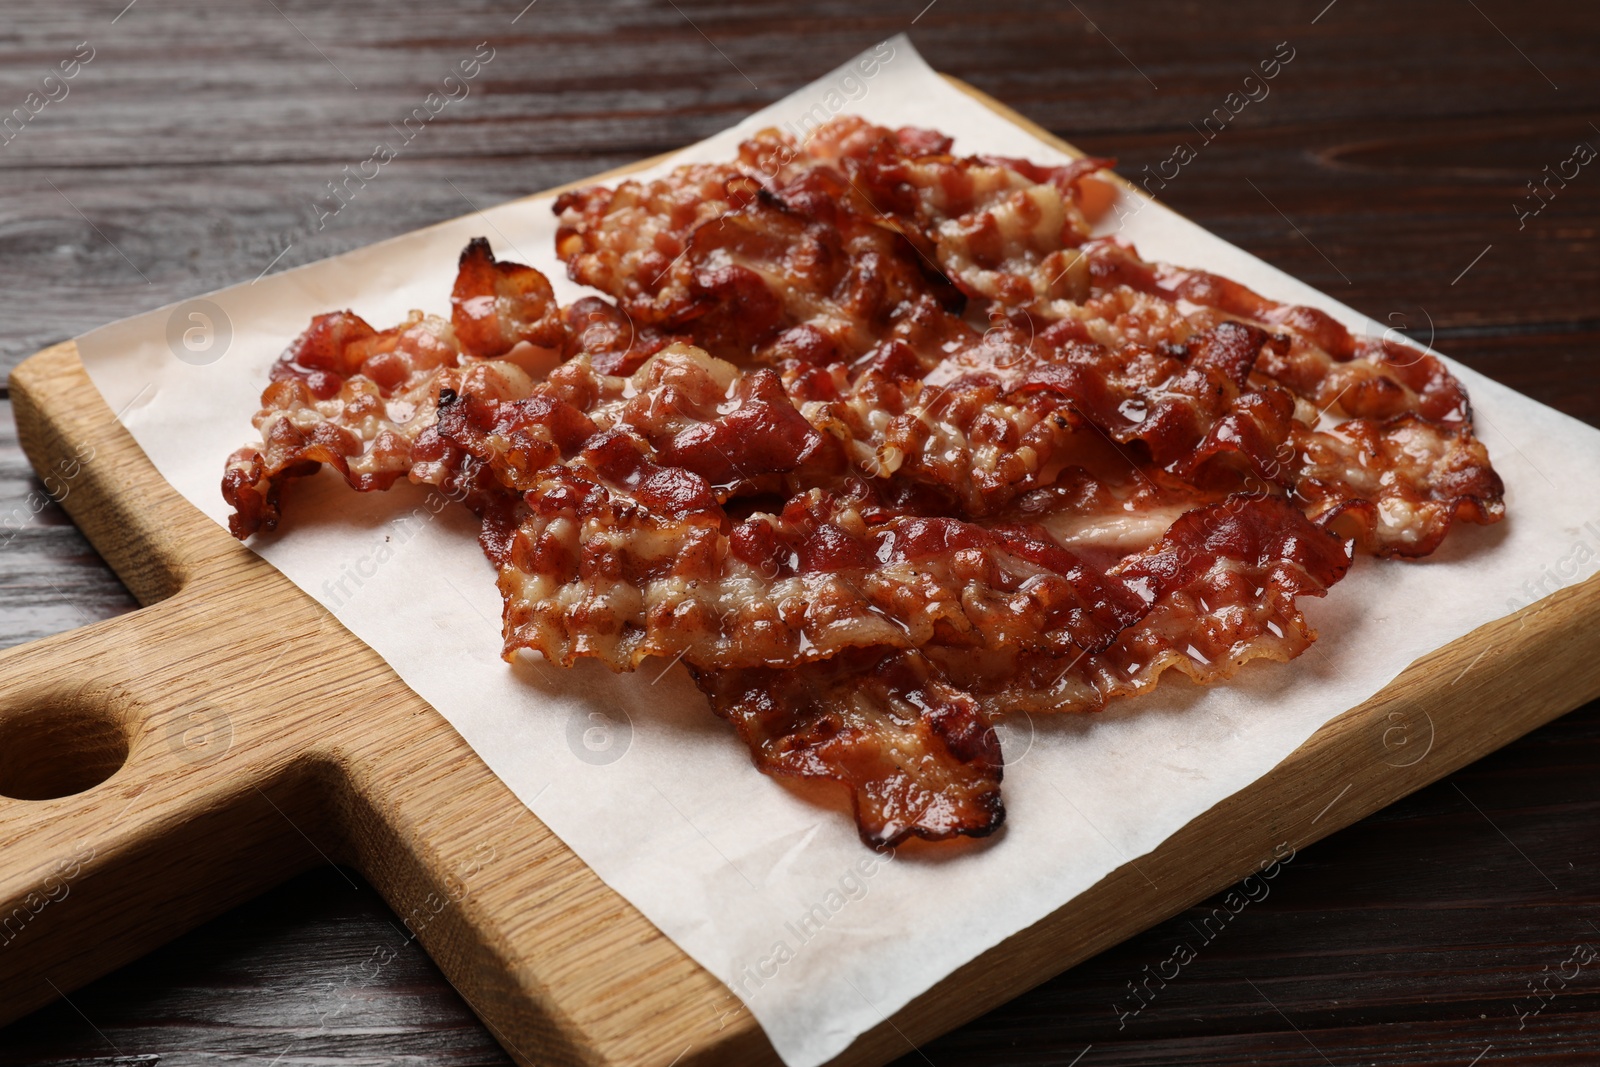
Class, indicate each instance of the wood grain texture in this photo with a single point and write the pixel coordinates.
(1398, 152)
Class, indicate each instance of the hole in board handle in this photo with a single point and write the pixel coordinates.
(57, 749)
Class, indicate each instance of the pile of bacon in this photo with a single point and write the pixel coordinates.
(883, 446)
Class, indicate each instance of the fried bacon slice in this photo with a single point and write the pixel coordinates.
(760, 279)
(1396, 485)
(825, 238)
(496, 306)
(625, 241)
(360, 400)
(1188, 410)
(601, 568)
(884, 444)
(910, 732)
(1361, 377)
(1222, 583)
(995, 226)
(627, 552)
(918, 756)
(348, 396)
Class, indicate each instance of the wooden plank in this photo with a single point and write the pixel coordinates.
(327, 746)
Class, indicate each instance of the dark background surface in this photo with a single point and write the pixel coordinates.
(1387, 164)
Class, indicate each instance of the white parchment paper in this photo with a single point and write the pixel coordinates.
(769, 890)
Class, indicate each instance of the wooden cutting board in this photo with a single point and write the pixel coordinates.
(159, 768)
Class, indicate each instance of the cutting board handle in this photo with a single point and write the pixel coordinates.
(135, 798)
(128, 811)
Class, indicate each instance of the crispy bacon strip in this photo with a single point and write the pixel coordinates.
(621, 571)
(995, 226)
(622, 556)
(905, 734)
(1223, 582)
(357, 400)
(829, 236)
(1362, 377)
(732, 429)
(625, 551)
(919, 757)
(1190, 411)
(1396, 485)
(803, 270)
(625, 241)
(360, 400)
(496, 306)
(762, 279)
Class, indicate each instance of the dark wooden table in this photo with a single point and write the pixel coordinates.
(1389, 165)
